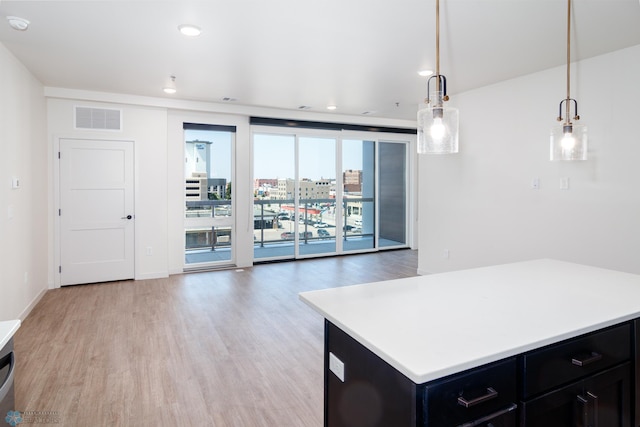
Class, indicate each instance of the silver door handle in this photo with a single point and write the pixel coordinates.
(127, 217)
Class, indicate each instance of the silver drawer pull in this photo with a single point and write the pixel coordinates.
(491, 393)
(483, 420)
(592, 358)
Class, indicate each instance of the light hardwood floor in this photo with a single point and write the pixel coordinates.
(223, 348)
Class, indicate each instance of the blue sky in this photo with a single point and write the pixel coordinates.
(274, 155)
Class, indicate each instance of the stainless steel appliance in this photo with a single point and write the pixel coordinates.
(7, 370)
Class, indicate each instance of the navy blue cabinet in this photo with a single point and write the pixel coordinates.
(590, 380)
(369, 392)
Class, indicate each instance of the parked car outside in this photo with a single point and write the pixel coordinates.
(320, 225)
(289, 235)
(322, 233)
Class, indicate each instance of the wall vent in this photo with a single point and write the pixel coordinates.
(98, 118)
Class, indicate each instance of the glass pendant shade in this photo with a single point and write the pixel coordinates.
(568, 142)
(437, 127)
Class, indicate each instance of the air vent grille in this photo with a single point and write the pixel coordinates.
(98, 118)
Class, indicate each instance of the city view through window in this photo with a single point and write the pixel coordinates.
(302, 205)
(208, 196)
(296, 194)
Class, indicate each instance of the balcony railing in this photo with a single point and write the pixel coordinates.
(274, 222)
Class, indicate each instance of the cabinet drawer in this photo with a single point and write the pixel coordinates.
(472, 396)
(570, 360)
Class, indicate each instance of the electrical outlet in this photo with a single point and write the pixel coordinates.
(336, 366)
(149, 251)
(445, 254)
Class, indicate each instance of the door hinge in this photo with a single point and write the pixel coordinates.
(59, 212)
(58, 155)
(59, 269)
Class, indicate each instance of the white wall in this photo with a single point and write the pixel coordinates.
(478, 204)
(23, 211)
(147, 127)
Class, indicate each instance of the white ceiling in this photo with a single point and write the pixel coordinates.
(361, 55)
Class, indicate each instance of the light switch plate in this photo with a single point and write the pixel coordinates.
(336, 366)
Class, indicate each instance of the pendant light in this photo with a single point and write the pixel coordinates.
(437, 124)
(568, 141)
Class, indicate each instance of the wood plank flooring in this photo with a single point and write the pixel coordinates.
(224, 348)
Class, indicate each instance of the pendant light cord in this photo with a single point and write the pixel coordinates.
(567, 106)
(437, 45)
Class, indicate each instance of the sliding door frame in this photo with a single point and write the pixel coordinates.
(409, 140)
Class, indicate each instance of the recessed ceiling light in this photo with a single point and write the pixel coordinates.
(17, 23)
(190, 30)
(170, 88)
(425, 73)
(331, 107)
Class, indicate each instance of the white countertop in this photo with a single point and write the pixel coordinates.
(431, 326)
(7, 329)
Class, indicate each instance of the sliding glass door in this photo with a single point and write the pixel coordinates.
(274, 190)
(294, 196)
(393, 194)
(316, 205)
(304, 208)
(358, 196)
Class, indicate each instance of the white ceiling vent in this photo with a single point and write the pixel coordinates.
(98, 118)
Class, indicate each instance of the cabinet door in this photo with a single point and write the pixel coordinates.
(609, 397)
(602, 400)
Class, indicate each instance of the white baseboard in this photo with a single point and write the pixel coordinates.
(32, 305)
(147, 276)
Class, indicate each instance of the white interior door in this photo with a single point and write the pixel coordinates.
(96, 211)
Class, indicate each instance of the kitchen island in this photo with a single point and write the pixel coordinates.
(429, 350)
